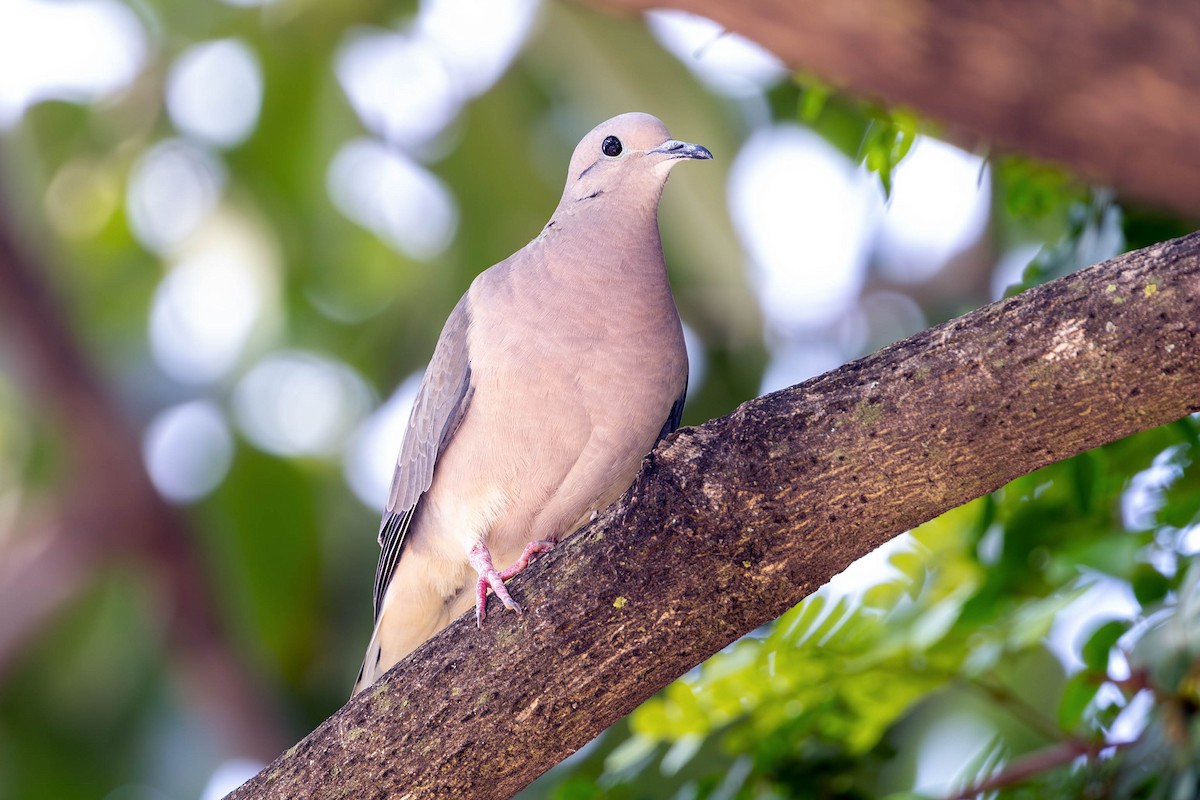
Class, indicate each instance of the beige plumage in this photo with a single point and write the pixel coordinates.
(554, 376)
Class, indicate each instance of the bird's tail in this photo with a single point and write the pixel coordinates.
(369, 672)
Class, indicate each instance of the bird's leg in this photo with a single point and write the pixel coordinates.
(481, 560)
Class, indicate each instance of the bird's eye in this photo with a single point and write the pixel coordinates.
(611, 147)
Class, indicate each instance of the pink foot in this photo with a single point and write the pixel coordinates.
(481, 560)
(532, 549)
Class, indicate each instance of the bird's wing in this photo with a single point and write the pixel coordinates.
(437, 412)
(676, 415)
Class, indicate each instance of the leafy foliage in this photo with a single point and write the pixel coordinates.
(885, 136)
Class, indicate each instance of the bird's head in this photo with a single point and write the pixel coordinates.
(631, 155)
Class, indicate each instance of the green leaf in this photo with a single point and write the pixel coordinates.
(812, 101)
(1181, 500)
(1035, 189)
(888, 138)
(1096, 649)
(1032, 622)
(908, 563)
(885, 595)
(794, 625)
(1077, 695)
(1084, 469)
(1149, 585)
(577, 789)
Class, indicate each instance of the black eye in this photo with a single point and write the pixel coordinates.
(611, 147)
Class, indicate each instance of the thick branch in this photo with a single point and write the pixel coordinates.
(731, 523)
(1040, 76)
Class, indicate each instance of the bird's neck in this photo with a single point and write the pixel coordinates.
(609, 215)
(615, 240)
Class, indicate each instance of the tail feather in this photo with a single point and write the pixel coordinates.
(370, 671)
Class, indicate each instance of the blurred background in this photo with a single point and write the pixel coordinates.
(229, 235)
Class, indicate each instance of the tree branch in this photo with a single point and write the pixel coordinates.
(1039, 76)
(731, 523)
(1033, 764)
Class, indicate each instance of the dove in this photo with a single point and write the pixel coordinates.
(555, 374)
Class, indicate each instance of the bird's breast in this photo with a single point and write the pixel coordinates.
(570, 394)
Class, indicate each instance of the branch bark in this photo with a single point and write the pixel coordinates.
(733, 522)
(1039, 76)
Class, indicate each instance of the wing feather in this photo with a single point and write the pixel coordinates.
(675, 417)
(438, 410)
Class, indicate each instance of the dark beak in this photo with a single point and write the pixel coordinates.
(673, 148)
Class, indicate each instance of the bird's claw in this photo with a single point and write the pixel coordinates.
(490, 577)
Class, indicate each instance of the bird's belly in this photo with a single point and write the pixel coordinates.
(536, 464)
